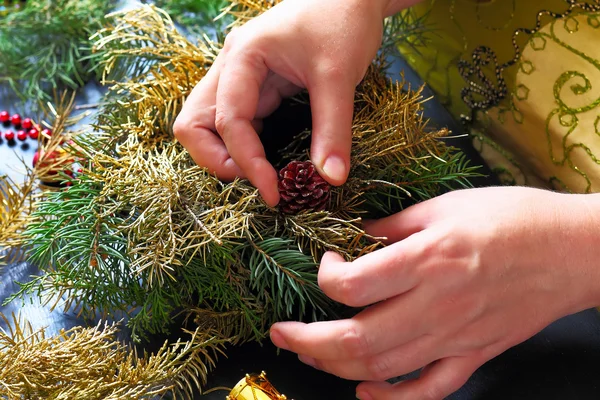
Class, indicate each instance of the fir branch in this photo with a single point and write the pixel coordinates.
(227, 297)
(44, 44)
(82, 254)
(287, 276)
(234, 325)
(135, 41)
(89, 363)
(406, 28)
(18, 200)
(194, 12)
(427, 177)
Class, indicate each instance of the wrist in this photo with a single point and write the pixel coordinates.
(588, 206)
(565, 232)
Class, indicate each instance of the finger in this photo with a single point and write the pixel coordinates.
(373, 331)
(275, 89)
(401, 225)
(396, 362)
(436, 383)
(237, 103)
(195, 125)
(332, 105)
(380, 275)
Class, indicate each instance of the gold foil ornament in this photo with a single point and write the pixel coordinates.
(255, 387)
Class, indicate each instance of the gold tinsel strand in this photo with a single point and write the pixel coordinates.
(90, 363)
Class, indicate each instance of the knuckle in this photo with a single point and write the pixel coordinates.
(440, 388)
(231, 39)
(453, 383)
(222, 121)
(433, 392)
(355, 343)
(349, 290)
(180, 128)
(333, 71)
(379, 368)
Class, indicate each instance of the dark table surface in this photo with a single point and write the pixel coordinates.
(561, 362)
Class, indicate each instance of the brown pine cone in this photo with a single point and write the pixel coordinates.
(302, 188)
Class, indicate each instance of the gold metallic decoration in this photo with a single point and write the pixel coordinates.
(91, 363)
(255, 387)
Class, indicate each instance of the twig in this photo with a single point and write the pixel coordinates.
(87, 106)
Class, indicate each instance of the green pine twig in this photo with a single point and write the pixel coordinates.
(287, 276)
(44, 46)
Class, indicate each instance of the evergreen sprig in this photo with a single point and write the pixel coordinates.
(44, 45)
(406, 28)
(423, 179)
(289, 277)
(193, 12)
(85, 257)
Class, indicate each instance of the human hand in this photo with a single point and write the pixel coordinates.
(323, 46)
(466, 276)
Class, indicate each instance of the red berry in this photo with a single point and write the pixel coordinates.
(48, 157)
(33, 133)
(22, 135)
(46, 161)
(27, 123)
(15, 120)
(9, 135)
(47, 133)
(4, 116)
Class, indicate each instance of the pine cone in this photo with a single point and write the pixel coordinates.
(302, 188)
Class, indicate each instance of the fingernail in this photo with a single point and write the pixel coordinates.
(363, 396)
(335, 168)
(308, 361)
(278, 340)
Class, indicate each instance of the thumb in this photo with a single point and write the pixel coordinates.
(332, 105)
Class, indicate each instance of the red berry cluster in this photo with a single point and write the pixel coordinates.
(25, 127)
(47, 159)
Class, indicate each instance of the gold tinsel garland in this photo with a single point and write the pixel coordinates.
(89, 363)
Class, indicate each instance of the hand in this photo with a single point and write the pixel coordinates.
(466, 276)
(323, 46)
